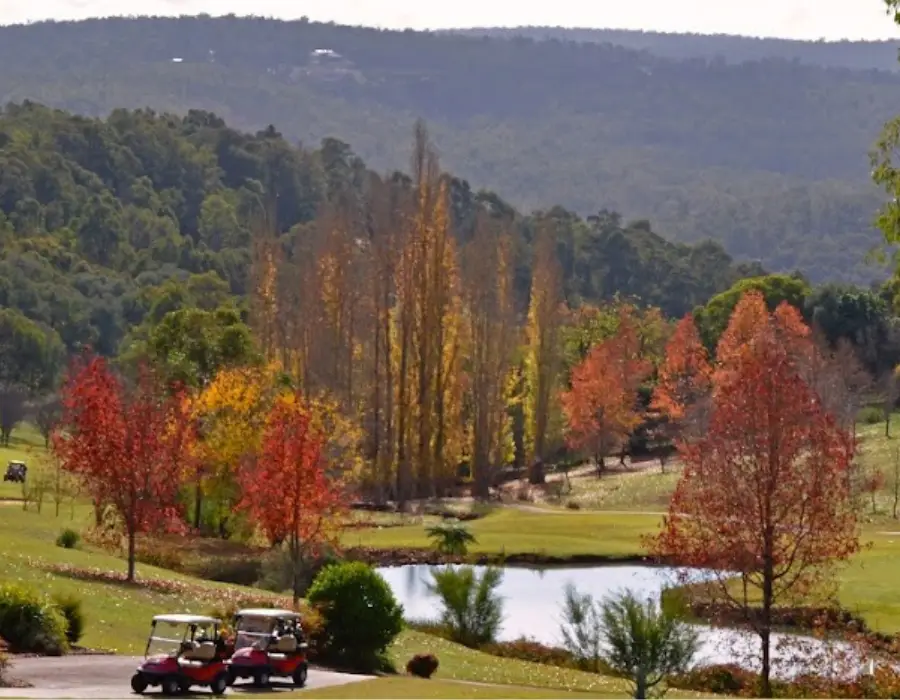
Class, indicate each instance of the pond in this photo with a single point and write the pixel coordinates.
(533, 608)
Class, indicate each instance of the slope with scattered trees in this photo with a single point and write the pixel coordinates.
(766, 157)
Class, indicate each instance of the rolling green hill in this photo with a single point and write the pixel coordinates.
(768, 157)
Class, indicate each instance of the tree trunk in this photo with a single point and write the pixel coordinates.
(765, 633)
(295, 566)
(198, 505)
(640, 686)
(131, 551)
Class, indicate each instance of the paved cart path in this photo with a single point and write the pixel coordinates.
(107, 677)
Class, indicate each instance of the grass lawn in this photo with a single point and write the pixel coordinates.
(27, 445)
(118, 618)
(512, 531)
(404, 687)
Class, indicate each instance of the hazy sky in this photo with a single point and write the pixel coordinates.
(805, 19)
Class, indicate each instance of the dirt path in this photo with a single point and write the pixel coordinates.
(107, 677)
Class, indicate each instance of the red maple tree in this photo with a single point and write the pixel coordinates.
(685, 378)
(287, 489)
(127, 446)
(764, 495)
(601, 405)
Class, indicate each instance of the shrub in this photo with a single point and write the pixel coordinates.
(276, 572)
(68, 539)
(422, 665)
(241, 571)
(30, 623)
(530, 650)
(581, 629)
(361, 616)
(726, 679)
(70, 607)
(871, 415)
(160, 555)
(573, 505)
(451, 538)
(472, 609)
(644, 642)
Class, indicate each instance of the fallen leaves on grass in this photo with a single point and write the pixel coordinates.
(463, 664)
(218, 596)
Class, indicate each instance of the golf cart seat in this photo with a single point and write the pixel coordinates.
(202, 652)
(284, 645)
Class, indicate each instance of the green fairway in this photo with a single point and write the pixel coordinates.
(513, 531)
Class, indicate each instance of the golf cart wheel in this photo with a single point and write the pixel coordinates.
(300, 674)
(261, 679)
(138, 683)
(171, 687)
(219, 684)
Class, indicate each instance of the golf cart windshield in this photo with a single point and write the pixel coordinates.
(172, 637)
(253, 630)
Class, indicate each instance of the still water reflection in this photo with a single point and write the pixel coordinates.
(533, 601)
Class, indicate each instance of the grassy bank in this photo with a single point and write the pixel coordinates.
(514, 531)
(118, 617)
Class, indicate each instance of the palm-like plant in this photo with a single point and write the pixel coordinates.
(645, 642)
(451, 538)
(472, 609)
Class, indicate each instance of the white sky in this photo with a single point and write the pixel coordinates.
(802, 19)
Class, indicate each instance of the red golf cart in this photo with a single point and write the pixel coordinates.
(268, 643)
(183, 651)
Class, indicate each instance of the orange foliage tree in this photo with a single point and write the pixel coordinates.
(287, 488)
(601, 405)
(127, 446)
(764, 495)
(685, 378)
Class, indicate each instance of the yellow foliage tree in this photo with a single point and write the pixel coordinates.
(231, 411)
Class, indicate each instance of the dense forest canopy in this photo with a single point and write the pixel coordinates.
(859, 55)
(767, 157)
(107, 226)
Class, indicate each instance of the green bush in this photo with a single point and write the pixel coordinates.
(361, 615)
(30, 623)
(241, 571)
(68, 539)
(451, 538)
(472, 610)
(871, 415)
(70, 607)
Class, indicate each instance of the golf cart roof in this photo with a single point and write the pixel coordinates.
(187, 619)
(268, 612)
(16, 462)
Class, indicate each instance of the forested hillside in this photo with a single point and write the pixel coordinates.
(108, 224)
(767, 157)
(858, 55)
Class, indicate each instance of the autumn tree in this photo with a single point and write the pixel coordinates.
(601, 405)
(542, 361)
(685, 380)
(127, 445)
(230, 413)
(764, 494)
(488, 291)
(286, 487)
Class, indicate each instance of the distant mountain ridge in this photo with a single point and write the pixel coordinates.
(857, 55)
(769, 156)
